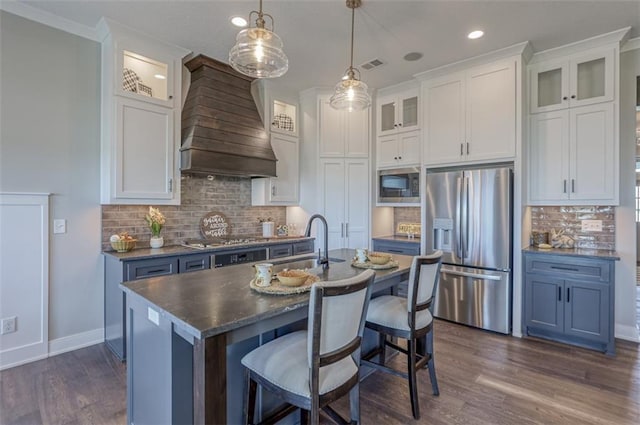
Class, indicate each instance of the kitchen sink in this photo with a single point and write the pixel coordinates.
(301, 263)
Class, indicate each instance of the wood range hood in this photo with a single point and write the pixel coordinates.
(222, 131)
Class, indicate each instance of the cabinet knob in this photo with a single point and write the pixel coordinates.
(395, 126)
(170, 97)
(573, 96)
(400, 125)
(399, 157)
(565, 98)
(395, 157)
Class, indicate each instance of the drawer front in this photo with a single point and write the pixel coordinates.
(280, 251)
(569, 268)
(150, 268)
(303, 247)
(194, 263)
(396, 247)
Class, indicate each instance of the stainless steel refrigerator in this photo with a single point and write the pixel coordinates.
(469, 217)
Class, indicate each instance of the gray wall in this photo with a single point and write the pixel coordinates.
(49, 142)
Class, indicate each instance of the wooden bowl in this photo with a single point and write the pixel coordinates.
(124, 245)
(378, 258)
(292, 277)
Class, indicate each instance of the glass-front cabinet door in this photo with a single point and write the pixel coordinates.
(144, 77)
(581, 80)
(398, 112)
(409, 113)
(387, 116)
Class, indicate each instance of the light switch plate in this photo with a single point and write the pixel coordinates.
(592, 225)
(153, 316)
(59, 225)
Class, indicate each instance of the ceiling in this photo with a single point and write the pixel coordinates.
(316, 33)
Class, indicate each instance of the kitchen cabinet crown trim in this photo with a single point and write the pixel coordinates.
(524, 49)
(617, 37)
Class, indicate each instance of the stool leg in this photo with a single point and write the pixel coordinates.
(382, 338)
(354, 403)
(304, 416)
(413, 388)
(249, 399)
(431, 364)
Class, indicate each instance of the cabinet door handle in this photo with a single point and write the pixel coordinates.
(559, 293)
(467, 148)
(170, 185)
(568, 294)
(346, 230)
(342, 230)
(564, 186)
(573, 186)
(399, 251)
(273, 190)
(461, 149)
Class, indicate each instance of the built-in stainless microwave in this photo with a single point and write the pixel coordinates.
(399, 186)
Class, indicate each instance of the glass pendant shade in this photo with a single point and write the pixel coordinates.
(258, 53)
(350, 95)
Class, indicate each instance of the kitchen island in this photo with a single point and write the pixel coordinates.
(187, 334)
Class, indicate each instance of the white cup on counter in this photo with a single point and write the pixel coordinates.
(264, 274)
(361, 255)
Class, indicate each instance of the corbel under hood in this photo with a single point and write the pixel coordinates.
(222, 131)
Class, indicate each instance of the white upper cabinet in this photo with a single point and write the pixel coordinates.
(399, 150)
(141, 92)
(471, 115)
(283, 189)
(343, 133)
(573, 156)
(578, 80)
(398, 112)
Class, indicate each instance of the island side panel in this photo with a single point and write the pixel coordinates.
(114, 307)
(210, 380)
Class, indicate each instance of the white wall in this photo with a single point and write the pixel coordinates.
(49, 142)
(625, 304)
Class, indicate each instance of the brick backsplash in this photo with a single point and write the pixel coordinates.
(568, 218)
(229, 195)
(405, 215)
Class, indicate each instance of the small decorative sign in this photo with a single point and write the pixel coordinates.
(214, 225)
(409, 228)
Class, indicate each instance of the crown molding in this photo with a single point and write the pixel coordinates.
(617, 37)
(48, 19)
(396, 88)
(521, 49)
(632, 44)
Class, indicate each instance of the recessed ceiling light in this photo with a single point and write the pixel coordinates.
(239, 21)
(160, 77)
(475, 34)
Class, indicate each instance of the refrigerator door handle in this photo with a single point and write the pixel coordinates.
(464, 234)
(458, 222)
(473, 275)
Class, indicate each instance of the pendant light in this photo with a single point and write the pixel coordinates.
(258, 51)
(350, 93)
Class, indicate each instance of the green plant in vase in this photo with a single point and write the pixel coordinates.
(155, 220)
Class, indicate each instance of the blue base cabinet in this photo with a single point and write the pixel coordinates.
(570, 299)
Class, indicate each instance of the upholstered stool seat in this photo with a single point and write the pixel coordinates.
(283, 362)
(391, 311)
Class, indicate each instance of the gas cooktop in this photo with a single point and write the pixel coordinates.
(211, 243)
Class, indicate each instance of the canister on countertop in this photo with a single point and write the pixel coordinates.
(538, 238)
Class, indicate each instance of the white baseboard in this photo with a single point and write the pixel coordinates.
(76, 341)
(21, 355)
(628, 333)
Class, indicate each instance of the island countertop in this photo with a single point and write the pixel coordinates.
(216, 301)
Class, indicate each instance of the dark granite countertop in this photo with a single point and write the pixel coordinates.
(601, 254)
(398, 238)
(215, 301)
(168, 251)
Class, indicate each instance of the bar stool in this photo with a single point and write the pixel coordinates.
(411, 319)
(310, 369)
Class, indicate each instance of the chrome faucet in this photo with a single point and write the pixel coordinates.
(324, 261)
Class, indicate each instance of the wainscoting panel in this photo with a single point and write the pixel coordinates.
(24, 276)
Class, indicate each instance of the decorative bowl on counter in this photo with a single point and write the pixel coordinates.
(378, 257)
(292, 277)
(124, 245)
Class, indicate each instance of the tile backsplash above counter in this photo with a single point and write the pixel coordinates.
(229, 195)
(569, 219)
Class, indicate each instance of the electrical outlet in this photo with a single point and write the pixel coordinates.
(592, 225)
(8, 325)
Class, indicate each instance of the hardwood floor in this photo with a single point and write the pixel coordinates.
(484, 378)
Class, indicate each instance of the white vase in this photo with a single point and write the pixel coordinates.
(267, 229)
(156, 242)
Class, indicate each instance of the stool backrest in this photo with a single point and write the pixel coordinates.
(423, 280)
(337, 312)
